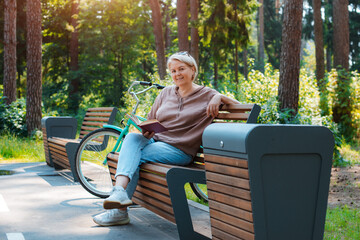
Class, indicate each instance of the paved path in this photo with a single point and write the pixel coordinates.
(38, 203)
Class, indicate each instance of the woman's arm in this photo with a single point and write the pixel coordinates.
(214, 104)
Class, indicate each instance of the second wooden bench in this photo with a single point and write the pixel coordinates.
(59, 134)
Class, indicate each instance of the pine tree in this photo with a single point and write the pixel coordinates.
(34, 41)
(288, 92)
(10, 51)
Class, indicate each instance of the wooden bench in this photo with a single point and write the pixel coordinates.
(161, 187)
(59, 135)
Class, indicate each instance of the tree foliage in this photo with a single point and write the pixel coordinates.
(117, 45)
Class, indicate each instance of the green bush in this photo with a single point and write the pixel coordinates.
(12, 117)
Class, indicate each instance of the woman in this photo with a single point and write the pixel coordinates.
(185, 109)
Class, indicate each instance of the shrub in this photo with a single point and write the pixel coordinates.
(12, 117)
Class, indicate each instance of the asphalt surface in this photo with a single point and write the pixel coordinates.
(39, 203)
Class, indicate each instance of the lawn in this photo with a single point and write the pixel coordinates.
(342, 222)
(15, 149)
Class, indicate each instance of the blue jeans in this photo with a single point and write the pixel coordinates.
(137, 149)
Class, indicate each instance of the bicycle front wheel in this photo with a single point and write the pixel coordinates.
(200, 190)
(91, 166)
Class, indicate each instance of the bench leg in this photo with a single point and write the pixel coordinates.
(71, 148)
(176, 179)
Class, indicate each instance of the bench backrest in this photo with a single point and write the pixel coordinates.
(242, 112)
(95, 118)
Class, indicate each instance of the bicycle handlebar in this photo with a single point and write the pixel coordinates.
(158, 86)
(134, 94)
(145, 83)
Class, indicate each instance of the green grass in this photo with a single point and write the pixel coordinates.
(191, 196)
(342, 223)
(17, 149)
(351, 153)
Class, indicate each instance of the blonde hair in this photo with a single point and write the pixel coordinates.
(186, 58)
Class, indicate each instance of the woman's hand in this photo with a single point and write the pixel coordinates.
(213, 106)
(148, 135)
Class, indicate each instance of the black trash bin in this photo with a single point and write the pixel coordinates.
(267, 181)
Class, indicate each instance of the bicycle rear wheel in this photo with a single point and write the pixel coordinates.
(91, 166)
(200, 190)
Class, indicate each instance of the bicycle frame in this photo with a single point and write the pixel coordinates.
(124, 131)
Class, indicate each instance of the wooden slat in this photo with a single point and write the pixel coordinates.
(232, 201)
(154, 186)
(150, 192)
(86, 123)
(227, 170)
(242, 234)
(153, 177)
(59, 151)
(236, 212)
(88, 114)
(53, 145)
(234, 221)
(236, 192)
(112, 164)
(220, 234)
(154, 209)
(57, 142)
(59, 156)
(233, 116)
(156, 168)
(112, 171)
(228, 180)
(237, 107)
(236, 162)
(97, 119)
(59, 163)
(64, 139)
(85, 128)
(154, 202)
(113, 156)
(101, 109)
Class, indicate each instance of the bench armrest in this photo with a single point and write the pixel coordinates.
(63, 127)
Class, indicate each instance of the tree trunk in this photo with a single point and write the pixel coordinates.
(194, 10)
(319, 53)
(183, 35)
(236, 62)
(341, 33)
(216, 75)
(21, 47)
(10, 51)
(167, 28)
(343, 106)
(261, 51)
(33, 52)
(159, 40)
(74, 57)
(328, 59)
(246, 71)
(288, 91)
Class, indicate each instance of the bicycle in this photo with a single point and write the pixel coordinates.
(91, 164)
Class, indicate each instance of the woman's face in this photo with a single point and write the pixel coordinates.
(181, 73)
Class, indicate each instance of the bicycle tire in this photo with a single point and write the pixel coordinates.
(199, 191)
(91, 170)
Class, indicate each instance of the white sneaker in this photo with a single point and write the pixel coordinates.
(112, 217)
(117, 199)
